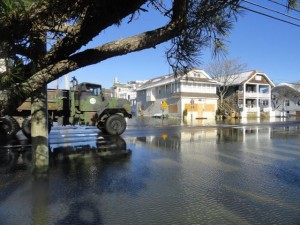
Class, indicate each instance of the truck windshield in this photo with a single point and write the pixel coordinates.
(96, 91)
(91, 89)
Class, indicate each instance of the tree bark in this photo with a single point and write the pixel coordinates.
(39, 132)
(39, 116)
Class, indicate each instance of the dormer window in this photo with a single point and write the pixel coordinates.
(196, 74)
(258, 77)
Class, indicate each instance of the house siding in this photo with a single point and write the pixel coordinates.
(251, 96)
(195, 94)
(286, 99)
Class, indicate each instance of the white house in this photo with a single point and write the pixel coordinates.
(126, 90)
(286, 99)
(193, 93)
(250, 94)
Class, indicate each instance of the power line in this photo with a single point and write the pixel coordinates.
(272, 10)
(267, 15)
(285, 6)
(272, 17)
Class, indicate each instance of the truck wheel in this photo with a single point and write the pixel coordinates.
(26, 126)
(9, 126)
(115, 124)
(101, 126)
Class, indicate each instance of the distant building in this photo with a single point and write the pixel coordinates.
(286, 99)
(193, 93)
(249, 94)
(107, 92)
(126, 91)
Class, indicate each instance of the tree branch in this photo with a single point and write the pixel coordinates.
(91, 56)
(101, 15)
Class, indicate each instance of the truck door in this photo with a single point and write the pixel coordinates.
(89, 98)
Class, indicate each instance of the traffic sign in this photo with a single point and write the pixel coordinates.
(164, 105)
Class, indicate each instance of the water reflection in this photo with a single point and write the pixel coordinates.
(105, 147)
(16, 154)
(240, 175)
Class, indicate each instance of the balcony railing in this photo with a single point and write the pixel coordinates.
(257, 109)
(254, 109)
(242, 94)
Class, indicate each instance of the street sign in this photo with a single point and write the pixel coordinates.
(164, 105)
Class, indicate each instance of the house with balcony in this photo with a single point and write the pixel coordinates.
(286, 99)
(249, 94)
(192, 93)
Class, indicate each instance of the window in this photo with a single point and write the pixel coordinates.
(196, 74)
(263, 89)
(241, 103)
(287, 102)
(149, 92)
(258, 77)
(168, 88)
(273, 97)
(263, 102)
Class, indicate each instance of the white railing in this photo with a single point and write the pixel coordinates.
(253, 109)
(256, 95)
(257, 109)
(267, 109)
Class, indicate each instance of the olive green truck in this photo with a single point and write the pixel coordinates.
(84, 104)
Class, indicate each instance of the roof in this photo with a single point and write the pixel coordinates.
(89, 84)
(294, 86)
(190, 76)
(244, 77)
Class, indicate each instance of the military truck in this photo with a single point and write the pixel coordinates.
(83, 104)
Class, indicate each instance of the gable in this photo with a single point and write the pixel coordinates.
(194, 75)
(252, 76)
(198, 74)
(259, 79)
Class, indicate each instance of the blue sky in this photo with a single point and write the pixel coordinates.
(259, 42)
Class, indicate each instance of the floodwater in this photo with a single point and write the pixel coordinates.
(233, 175)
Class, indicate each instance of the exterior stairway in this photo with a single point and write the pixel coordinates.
(230, 109)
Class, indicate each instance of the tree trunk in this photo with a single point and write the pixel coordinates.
(222, 102)
(39, 132)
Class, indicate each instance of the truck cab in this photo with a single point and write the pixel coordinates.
(89, 106)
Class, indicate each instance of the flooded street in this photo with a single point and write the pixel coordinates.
(163, 174)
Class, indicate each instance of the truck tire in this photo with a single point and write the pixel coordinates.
(101, 126)
(115, 124)
(9, 126)
(26, 126)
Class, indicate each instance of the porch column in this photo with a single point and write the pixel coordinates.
(270, 101)
(244, 98)
(257, 101)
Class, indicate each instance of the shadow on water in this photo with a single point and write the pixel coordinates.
(16, 153)
(72, 173)
(105, 147)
